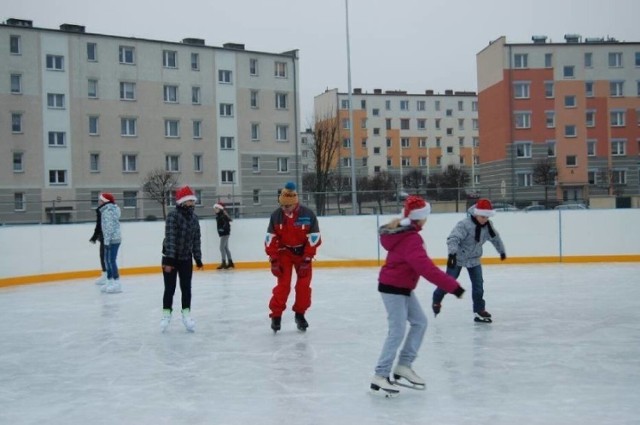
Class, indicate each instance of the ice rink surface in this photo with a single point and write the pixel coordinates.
(564, 348)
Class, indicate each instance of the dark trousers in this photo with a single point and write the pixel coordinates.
(184, 271)
(104, 267)
(477, 287)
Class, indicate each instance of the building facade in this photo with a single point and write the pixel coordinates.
(82, 113)
(574, 104)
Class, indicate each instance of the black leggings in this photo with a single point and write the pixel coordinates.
(104, 267)
(184, 270)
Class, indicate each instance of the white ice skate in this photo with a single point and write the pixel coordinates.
(166, 320)
(406, 377)
(383, 386)
(112, 287)
(102, 279)
(188, 321)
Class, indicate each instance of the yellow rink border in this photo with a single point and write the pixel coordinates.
(263, 265)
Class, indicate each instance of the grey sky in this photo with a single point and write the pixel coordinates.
(408, 45)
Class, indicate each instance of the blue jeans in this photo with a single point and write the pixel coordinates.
(477, 290)
(110, 255)
(400, 310)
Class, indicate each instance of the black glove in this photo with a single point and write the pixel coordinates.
(503, 256)
(305, 268)
(459, 292)
(276, 270)
(452, 261)
(198, 263)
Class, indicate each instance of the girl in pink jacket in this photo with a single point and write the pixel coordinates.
(406, 261)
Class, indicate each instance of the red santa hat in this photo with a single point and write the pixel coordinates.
(415, 208)
(484, 208)
(218, 206)
(185, 194)
(107, 197)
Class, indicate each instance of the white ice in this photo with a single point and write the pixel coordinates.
(564, 348)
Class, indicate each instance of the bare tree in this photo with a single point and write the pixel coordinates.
(158, 185)
(381, 184)
(325, 151)
(413, 180)
(544, 174)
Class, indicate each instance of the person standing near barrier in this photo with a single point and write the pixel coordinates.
(293, 236)
(464, 245)
(180, 247)
(97, 237)
(223, 222)
(111, 237)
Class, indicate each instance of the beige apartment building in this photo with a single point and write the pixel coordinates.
(82, 113)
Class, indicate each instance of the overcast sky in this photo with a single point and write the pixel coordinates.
(410, 45)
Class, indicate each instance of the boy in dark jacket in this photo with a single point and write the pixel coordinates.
(223, 223)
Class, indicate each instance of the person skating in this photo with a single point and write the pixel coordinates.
(97, 237)
(180, 247)
(111, 238)
(464, 246)
(223, 222)
(406, 261)
(293, 236)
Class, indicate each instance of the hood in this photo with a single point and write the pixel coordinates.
(391, 236)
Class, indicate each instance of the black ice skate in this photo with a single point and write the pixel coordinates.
(483, 317)
(383, 386)
(436, 309)
(275, 324)
(301, 322)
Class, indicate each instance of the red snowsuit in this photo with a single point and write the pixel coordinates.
(291, 242)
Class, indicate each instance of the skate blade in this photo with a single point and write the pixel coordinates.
(380, 392)
(478, 320)
(411, 385)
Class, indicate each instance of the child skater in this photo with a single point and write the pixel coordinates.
(406, 261)
(465, 250)
(223, 221)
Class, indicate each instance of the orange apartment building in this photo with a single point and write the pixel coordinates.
(576, 103)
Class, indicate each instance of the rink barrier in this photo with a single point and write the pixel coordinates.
(255, 265)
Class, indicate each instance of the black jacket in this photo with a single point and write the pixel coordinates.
(224, 223)
(181, 237)
(97, 232)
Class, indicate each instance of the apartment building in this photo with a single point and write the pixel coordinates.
(397, 132)
(576, 103)
(82, 112)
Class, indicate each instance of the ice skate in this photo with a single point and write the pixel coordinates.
(406, 377)
(383, 386)
(301, 322)
(188, 321)
(483, 317)
(102, 279)
(166, 320)
(222, 266)
(436, 309)
(113, 287)
(275, 324)
(230, 265)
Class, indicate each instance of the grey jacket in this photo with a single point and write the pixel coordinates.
(462, 242)
(110, 221)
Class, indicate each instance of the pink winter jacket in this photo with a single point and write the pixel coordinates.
(407, 260)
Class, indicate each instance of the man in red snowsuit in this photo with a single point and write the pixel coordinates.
(292, 238)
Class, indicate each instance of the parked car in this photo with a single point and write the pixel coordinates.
(503, 206)
(571, 207)
(534, 208)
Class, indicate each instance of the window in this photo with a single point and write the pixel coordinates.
(590, 118)
(55, 62)
(224, 76)
(376, 112)
(405, 143)
(227, 176)
(406, 161)
(195, 95)
(619, 177)
(387, 105)
(637, 59)
(449, 112)
(253, 99)
(197, 163)
(363, 123)
(58, 177)
(549, 89)
(588, 60)
(551, 148)
(18, 162)
(404, 105)
(226, 143)
(282, 133)
(388, 123)
(344, 104)
(128, 127)
(126, 55)
(255, 131)
(571, 161)
(16, 83)
(522, 119)
(474, 106)
(346, 143)
(256, 196)
(253, 67)
(525, 179)
(437, 124)
(363, 104)
(616, 88)
(346, 162)
(169, 58)
(226, 110)
(255, 164)
(281, 101)
(172, 163)
(570, 130)
(617, 118)
(550, 119)
(618, 147)
(280, 70)
(197, 129)
(568, 71)
(523, 150)
(460, 105)
(421, 105)
(171, 94)
(94, 130)
(92, 88)
(376, 151)
(521, 90)
(588, 88)
(129, 163)
(591, 147)
(548, 60)
(460, 123)
(474, 123)
(92, 52)
(19, 201)
(592, 177)
(376, 131)
(57, 138)
(15, 45)
(55, 101)
(16, 122)
(171, 128)
(521, 60)
(129, 199)
(570, 101)
(94, 162)
(283, 165)
(127, 91)
(404, 124)
(195, 61)
(615, 60)
(421, 124)
(422, 161)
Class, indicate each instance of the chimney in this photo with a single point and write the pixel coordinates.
(428, 92)
(377, 91)
(194, 41)
(72, 28)
(448, 92)
(357, 91)
(236, 46)
(20, 22)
